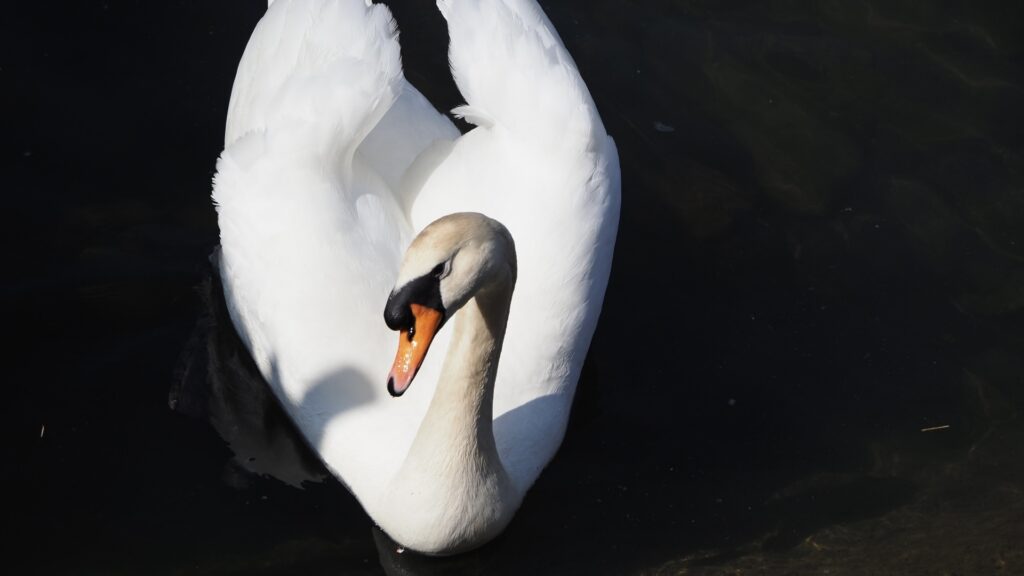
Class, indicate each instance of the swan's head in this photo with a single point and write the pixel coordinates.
(448, 263)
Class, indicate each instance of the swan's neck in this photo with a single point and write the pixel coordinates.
(461, 411)
(453, 472)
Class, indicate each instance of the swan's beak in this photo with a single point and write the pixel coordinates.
(412, 347)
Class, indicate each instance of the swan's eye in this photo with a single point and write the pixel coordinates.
(441, 270)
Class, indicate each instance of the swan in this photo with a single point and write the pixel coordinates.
(342, 193)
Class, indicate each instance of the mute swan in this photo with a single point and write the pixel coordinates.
(332, 161)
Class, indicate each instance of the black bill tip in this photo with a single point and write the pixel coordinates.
(391, 388)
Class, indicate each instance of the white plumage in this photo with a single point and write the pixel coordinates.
(333, 162)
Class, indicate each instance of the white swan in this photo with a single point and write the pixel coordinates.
(331, 162)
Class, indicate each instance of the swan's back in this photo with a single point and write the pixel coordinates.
(333, 161)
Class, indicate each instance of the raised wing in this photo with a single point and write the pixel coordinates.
(311, 230)
(540, 162)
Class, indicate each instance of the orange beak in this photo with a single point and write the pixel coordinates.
(412, 347)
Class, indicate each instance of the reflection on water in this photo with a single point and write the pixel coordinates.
(810, 357)
(218, 382)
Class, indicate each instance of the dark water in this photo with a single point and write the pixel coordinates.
(821, 257)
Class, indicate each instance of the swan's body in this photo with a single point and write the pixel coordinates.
(332, 162)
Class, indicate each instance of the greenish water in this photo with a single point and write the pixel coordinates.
(810, 360)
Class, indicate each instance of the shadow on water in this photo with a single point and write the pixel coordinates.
(219, 383)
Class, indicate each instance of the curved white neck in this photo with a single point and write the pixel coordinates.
(453, 480)
(461, 411)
